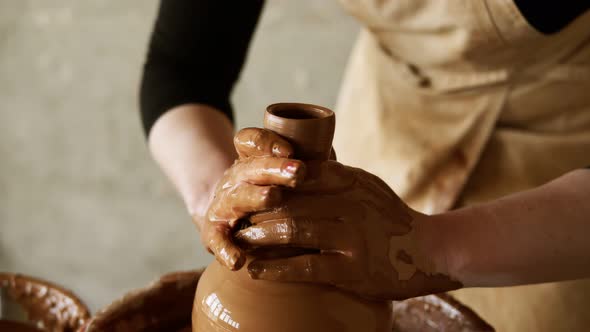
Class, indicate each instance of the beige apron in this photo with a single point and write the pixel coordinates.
(460, 101)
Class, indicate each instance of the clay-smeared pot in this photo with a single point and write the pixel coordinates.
(232, 301)
(165, 306)
(228, 301)
(48, 306)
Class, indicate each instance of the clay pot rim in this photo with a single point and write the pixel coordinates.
(18, 281)
(316, 112)
(309, 128)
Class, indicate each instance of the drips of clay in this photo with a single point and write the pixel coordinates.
(232, 301)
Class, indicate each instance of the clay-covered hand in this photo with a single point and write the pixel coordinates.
(253, 183)
(368, 241)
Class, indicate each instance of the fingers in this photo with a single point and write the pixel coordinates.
(269, 171)
(323, 269)
(300, 232)
(217, 239)
(257, 142)
(324, 206)
(242, 200)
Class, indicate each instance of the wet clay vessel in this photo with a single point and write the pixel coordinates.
(165, 306)
(232, 301)
(47, 306)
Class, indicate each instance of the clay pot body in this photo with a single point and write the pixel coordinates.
(232, 301)
(165, 306)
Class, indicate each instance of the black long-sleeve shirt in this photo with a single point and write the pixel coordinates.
(196, 52)
(198, 48)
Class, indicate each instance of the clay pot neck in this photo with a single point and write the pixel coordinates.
(309, 128)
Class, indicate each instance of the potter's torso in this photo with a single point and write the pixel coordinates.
(458, 102)
(434, 88)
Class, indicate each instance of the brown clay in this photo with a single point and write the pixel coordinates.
(362, 238)
(165, 306)
(436, 313)
(227, 301)
(366, 240)
(48, 306)
(232, 301)
(308, 128)
(252, 184)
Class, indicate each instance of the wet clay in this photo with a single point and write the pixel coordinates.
(364, 234)
(48, 306)
(10, 326)
(253, 183)
(233, 301)
(362, 238)
(435, 313)
(165, 305)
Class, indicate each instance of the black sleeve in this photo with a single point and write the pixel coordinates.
(196, 53)
(548, 16)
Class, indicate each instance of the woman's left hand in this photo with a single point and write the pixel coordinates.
(367, 240)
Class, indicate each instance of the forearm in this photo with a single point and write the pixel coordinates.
(539, 235)
(193, 145)
(194, 59)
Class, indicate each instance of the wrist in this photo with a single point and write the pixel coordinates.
(193, 145)
(197, 198)
(434, 242)
(463, 252)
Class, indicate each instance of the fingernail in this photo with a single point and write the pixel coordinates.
(233, 261)
(291, 167)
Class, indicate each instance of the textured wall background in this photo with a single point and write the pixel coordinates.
(81, 202)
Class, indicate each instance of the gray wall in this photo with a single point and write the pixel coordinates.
(81, 202)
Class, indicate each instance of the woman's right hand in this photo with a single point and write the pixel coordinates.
(252, 184)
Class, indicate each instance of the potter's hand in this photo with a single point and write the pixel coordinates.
(249, 185)
(369, 242)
